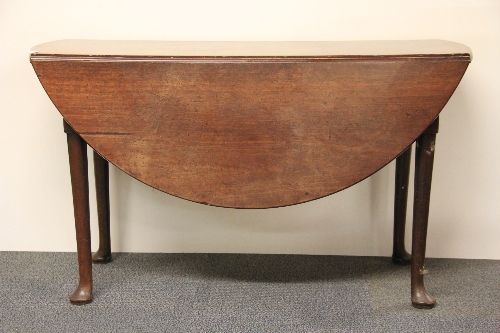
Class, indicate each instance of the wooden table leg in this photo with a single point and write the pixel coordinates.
(77, 150)
(424, 159)
(101, 171)
(399, 254)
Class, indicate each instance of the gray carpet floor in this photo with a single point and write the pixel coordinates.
(245, 293)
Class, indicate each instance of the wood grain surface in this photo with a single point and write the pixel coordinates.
(250, 134)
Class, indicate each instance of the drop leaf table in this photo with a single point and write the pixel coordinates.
(250, 124)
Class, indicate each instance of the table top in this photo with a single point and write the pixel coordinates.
(283, 49)
(250, 124)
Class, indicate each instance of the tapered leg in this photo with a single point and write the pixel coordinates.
(101, 171)
(77, 150)
(424, 159)
(399, 254)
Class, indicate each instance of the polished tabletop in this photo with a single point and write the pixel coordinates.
(250, 124)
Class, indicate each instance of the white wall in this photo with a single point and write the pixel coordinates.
(35, 194)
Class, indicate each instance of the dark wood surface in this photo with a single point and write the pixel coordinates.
(424, 160)
(399, 254)
(252, 134)
(236, 125)
(78, 166)
(101, 173)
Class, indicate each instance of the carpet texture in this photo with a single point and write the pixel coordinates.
(245, 293)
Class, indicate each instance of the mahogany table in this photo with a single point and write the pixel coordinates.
(250, 124)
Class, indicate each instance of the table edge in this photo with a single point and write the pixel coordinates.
(85, 50)
(246, 59)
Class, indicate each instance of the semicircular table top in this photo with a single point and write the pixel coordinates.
(250, 124)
